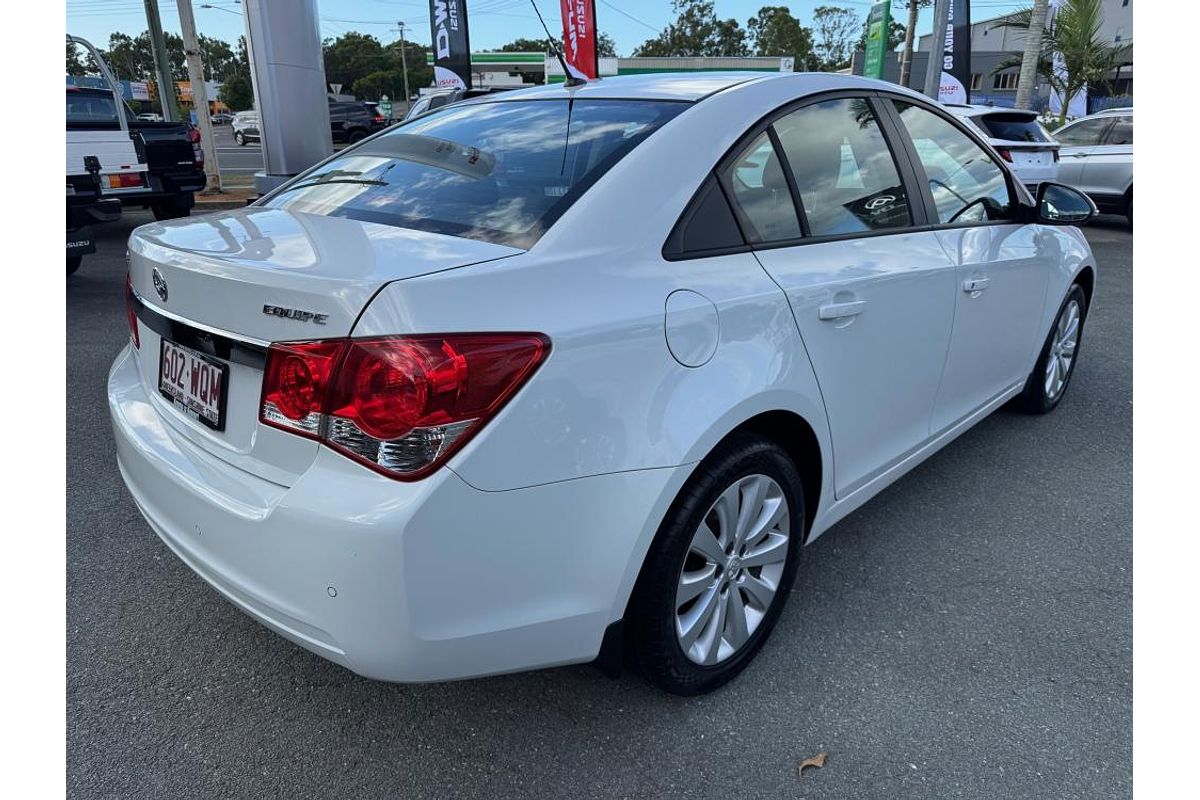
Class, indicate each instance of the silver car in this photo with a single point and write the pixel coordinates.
(1097, 157)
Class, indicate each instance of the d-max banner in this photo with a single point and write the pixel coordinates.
(579, 38)
(451, 44)
(956, 55)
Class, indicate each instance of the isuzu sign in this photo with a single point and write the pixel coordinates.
(579, 38)
(451, 44)
(956, 54)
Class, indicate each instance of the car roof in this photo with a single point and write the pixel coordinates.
(689, 86)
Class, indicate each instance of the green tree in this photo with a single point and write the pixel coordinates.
(1074, 32)
(237, 89)
(774, 31)
(696, 31)
(605, 46)
(390, 80)
(218, 57)
(75, 65)
(355, 55)
(896, 36)
(837, 31)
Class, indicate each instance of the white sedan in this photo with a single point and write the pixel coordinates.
(573, 373)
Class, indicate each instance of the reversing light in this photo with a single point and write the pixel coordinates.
(402, 405)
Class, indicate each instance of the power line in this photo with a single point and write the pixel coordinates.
(630, 16)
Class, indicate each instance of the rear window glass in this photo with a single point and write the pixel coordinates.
(88, 107)
(1012, 127)
(500, 172)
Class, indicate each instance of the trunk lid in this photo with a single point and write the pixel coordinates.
(255, 276)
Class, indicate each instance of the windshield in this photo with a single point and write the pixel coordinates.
(501, 172)
(92, 107)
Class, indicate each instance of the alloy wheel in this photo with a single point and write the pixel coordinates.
(1062, 351)
(732, 569)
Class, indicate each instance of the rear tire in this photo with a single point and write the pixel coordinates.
(1129, 208)
(1048, 383)
(73, 264)
(239, 138)
(746, 475)
(356, 136)
(174, 208)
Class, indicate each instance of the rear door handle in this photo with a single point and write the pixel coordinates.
(973, 286)
(842, 310)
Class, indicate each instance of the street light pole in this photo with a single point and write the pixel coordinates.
(166, 86)
(195, 64)
(404, 66)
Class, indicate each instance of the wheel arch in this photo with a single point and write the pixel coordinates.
(1086, 278)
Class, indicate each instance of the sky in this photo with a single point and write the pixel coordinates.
(491, 22)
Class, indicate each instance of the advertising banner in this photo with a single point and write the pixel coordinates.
(451, 44)
(579, 38)
(956, 54)
(878, 22)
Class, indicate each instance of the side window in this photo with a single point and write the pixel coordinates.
(1121, 132)
(844, 170)
(707, 226)
(761, 195)
(1083, 134)
(967, 185)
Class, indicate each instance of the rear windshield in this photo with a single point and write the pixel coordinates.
(1013, 127)
(88, 107)
(500, 172)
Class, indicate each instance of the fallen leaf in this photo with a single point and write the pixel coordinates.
(817, 761)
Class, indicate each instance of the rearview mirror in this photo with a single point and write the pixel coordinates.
(1063, 205)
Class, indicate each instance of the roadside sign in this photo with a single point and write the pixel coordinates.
(385, 106)
(878, 22)
(336, 88)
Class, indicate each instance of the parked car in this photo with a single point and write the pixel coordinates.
(1097, 157)
(221, 118)
(477, 395)
(115, 159)
(245, 127)
(150, 117)
(1018, 137)
(444, 97)
(352, 122)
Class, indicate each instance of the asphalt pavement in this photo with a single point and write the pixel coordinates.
(966, 634)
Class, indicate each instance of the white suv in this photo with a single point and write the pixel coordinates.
(1018, 137)
(1097, 157)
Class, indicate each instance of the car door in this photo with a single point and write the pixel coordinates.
(826, 207)
(1001, 271)
(1108, 169)
(1079, 142)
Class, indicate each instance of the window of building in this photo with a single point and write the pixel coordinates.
(976, 81)
(1005, 81)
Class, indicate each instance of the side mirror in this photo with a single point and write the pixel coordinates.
(1058, 204)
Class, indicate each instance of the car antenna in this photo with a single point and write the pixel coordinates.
(571, 78)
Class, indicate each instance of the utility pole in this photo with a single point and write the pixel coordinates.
(910, 37)
(166, 86)
(1033, 53)
(195, 65)
(937, 49)
(404, 66)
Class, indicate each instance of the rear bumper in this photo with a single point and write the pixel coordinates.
(432, 580)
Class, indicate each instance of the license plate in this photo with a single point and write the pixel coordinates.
(195, 383)
(1034, 159)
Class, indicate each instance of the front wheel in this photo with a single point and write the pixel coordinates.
(719, 571)
(239, 138)
(1048, 382)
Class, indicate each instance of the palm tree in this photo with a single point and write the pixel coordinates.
(1033, 44)
(1074, 33)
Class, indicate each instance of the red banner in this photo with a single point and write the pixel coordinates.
(579, 37)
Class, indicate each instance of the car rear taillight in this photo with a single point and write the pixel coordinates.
(197, 150)
(1005, 153)
(402, 405)
(121, 180)
(131, 312)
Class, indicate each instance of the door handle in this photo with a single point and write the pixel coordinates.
(841, 310)
(973, 286)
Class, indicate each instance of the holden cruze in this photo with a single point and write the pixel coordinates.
(573, 373)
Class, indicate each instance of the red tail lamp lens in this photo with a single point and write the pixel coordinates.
(131, 312)
(403, 404)
(1005, 153)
